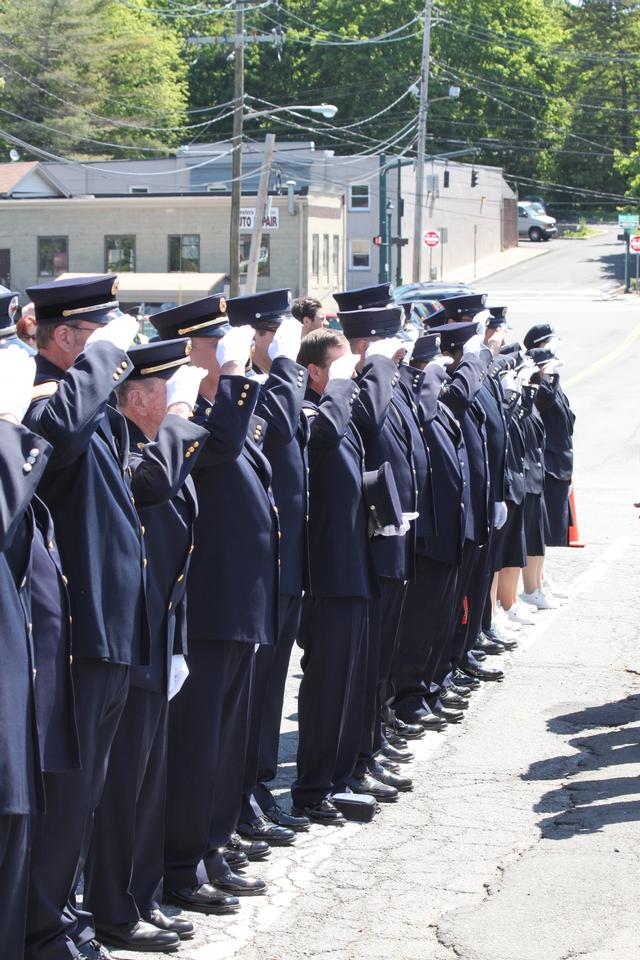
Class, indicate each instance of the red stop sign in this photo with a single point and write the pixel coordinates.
(432, 238)
(634, 242)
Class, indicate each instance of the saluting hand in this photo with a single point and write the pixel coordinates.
(120, 332)
(441, 361)
(286, 342)
(184, 385)
(343, 367)
(391, 347)
(17, 373)
(235, 346)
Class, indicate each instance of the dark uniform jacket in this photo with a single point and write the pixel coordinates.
(53, 651)
(558, 419)
(387, 437)
(407, 397)
(86, 488)
(534, 441)
(461, 396)
(23, 457)
(285, 447)
(233, 581)
(341, 562)
(167, 504)
(492, 400)
(518, 408)
(450, 473)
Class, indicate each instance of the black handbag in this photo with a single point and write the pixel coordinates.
(356, 806)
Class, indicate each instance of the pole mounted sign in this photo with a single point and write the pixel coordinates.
(628, 221)
(431, 239)
(634, 242)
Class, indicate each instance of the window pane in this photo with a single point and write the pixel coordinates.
(360, 256)
(315, 255)
(325, 257)
(336, 257)
(263, 258)
(120, 254)
(359, 195)
(53, 256)
(184, 253)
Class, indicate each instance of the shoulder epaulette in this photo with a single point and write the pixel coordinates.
(46, 389)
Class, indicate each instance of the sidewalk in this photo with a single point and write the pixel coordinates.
(526, 250)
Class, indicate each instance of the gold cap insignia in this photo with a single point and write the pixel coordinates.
(114, 288)
(222, 306)
(187, 347)
(13, 307)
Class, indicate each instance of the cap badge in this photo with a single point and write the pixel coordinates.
(13, 307)
(222, 305)
(114, 288)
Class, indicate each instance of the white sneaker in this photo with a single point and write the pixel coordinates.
(501, 629)
(518, 613)
(502, 622)
(542, 601)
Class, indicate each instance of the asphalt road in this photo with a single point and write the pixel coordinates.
(521, 840)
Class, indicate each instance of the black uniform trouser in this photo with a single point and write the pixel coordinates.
(385, 615)
(60, 837)
(480, 589)
(333, 635)
(455, 644)
(426, 624)
(14, 881)
(123, 872)
(208, 728)
(272, 667)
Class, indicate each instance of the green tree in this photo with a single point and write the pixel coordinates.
(83, 74)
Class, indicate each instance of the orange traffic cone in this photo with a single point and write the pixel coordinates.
(574, 534)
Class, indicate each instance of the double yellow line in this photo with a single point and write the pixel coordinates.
(603, 361)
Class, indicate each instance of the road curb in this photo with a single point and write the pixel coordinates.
(510, 266)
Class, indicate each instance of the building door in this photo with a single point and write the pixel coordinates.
(5, 268)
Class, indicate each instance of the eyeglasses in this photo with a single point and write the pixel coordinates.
(29, 337)
(73, 326)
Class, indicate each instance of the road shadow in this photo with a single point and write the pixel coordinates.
(612, 264)
(576, 806)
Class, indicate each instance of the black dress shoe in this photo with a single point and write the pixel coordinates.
(263, 829)
(283, 819)
(390, 778)
(235, 859)
(396, 755)
(451, 716)
(478, 654)
(252, 849)
(429, 721)
(388, 764)
(460, 690)
(395, 739)
(483, 673)
(237, 885)
(461, 676)
(140, 936)
(94, 950)
(324, 812)
(407, 730)
(368, 784)
(507, 644)
(494, 648)
(202, 899)
(451, 700)
(184, 928)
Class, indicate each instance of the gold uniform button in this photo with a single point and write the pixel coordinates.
(116, 376)
(196, 444)
(51, 545)
(124, 365)
(34, 452)
(187, 455)
(65, 580)
(27, 468)
(246, 386)
(70, 620)
(191, 548)
(241, 403)
(133, 500)
(144, 563)
(243, 395)
(70, 659)
(208, 411)
(181, 578)
(170, 604)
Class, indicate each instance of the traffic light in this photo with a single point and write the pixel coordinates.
(474, 178)
(377, 241)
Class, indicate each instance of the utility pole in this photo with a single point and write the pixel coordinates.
(261, 204)
(422, 139)
(236, 167)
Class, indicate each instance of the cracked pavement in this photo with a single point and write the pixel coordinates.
(521, 839)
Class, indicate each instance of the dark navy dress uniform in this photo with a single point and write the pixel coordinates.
(558, 419)
(233, 604)
(86, 488)
(285, 447)
(334, 626)
(123, 880)
(511, 550)
(23, 457)
(535, 512)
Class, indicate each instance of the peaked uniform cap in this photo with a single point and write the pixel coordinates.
(200, 318)
(94, 299)
(364, 298)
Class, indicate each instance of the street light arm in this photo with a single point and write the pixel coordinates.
(327, 110)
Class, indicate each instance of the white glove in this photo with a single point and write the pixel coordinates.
(553, 344)
(408, 348)
(120, 332)
(499, 515)
(524, 375)
(235, 346)
(178, 673)
(441, 361)
(384, 348)
(405, 526)
(474, 344)
(482, 317)
(286, 342)
(510, 381)
(17, 373)
(343, 367)
(184, 385)
(552, 366)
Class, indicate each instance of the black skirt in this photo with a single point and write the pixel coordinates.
(511, 550)
(535, 523)
(556, 498)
